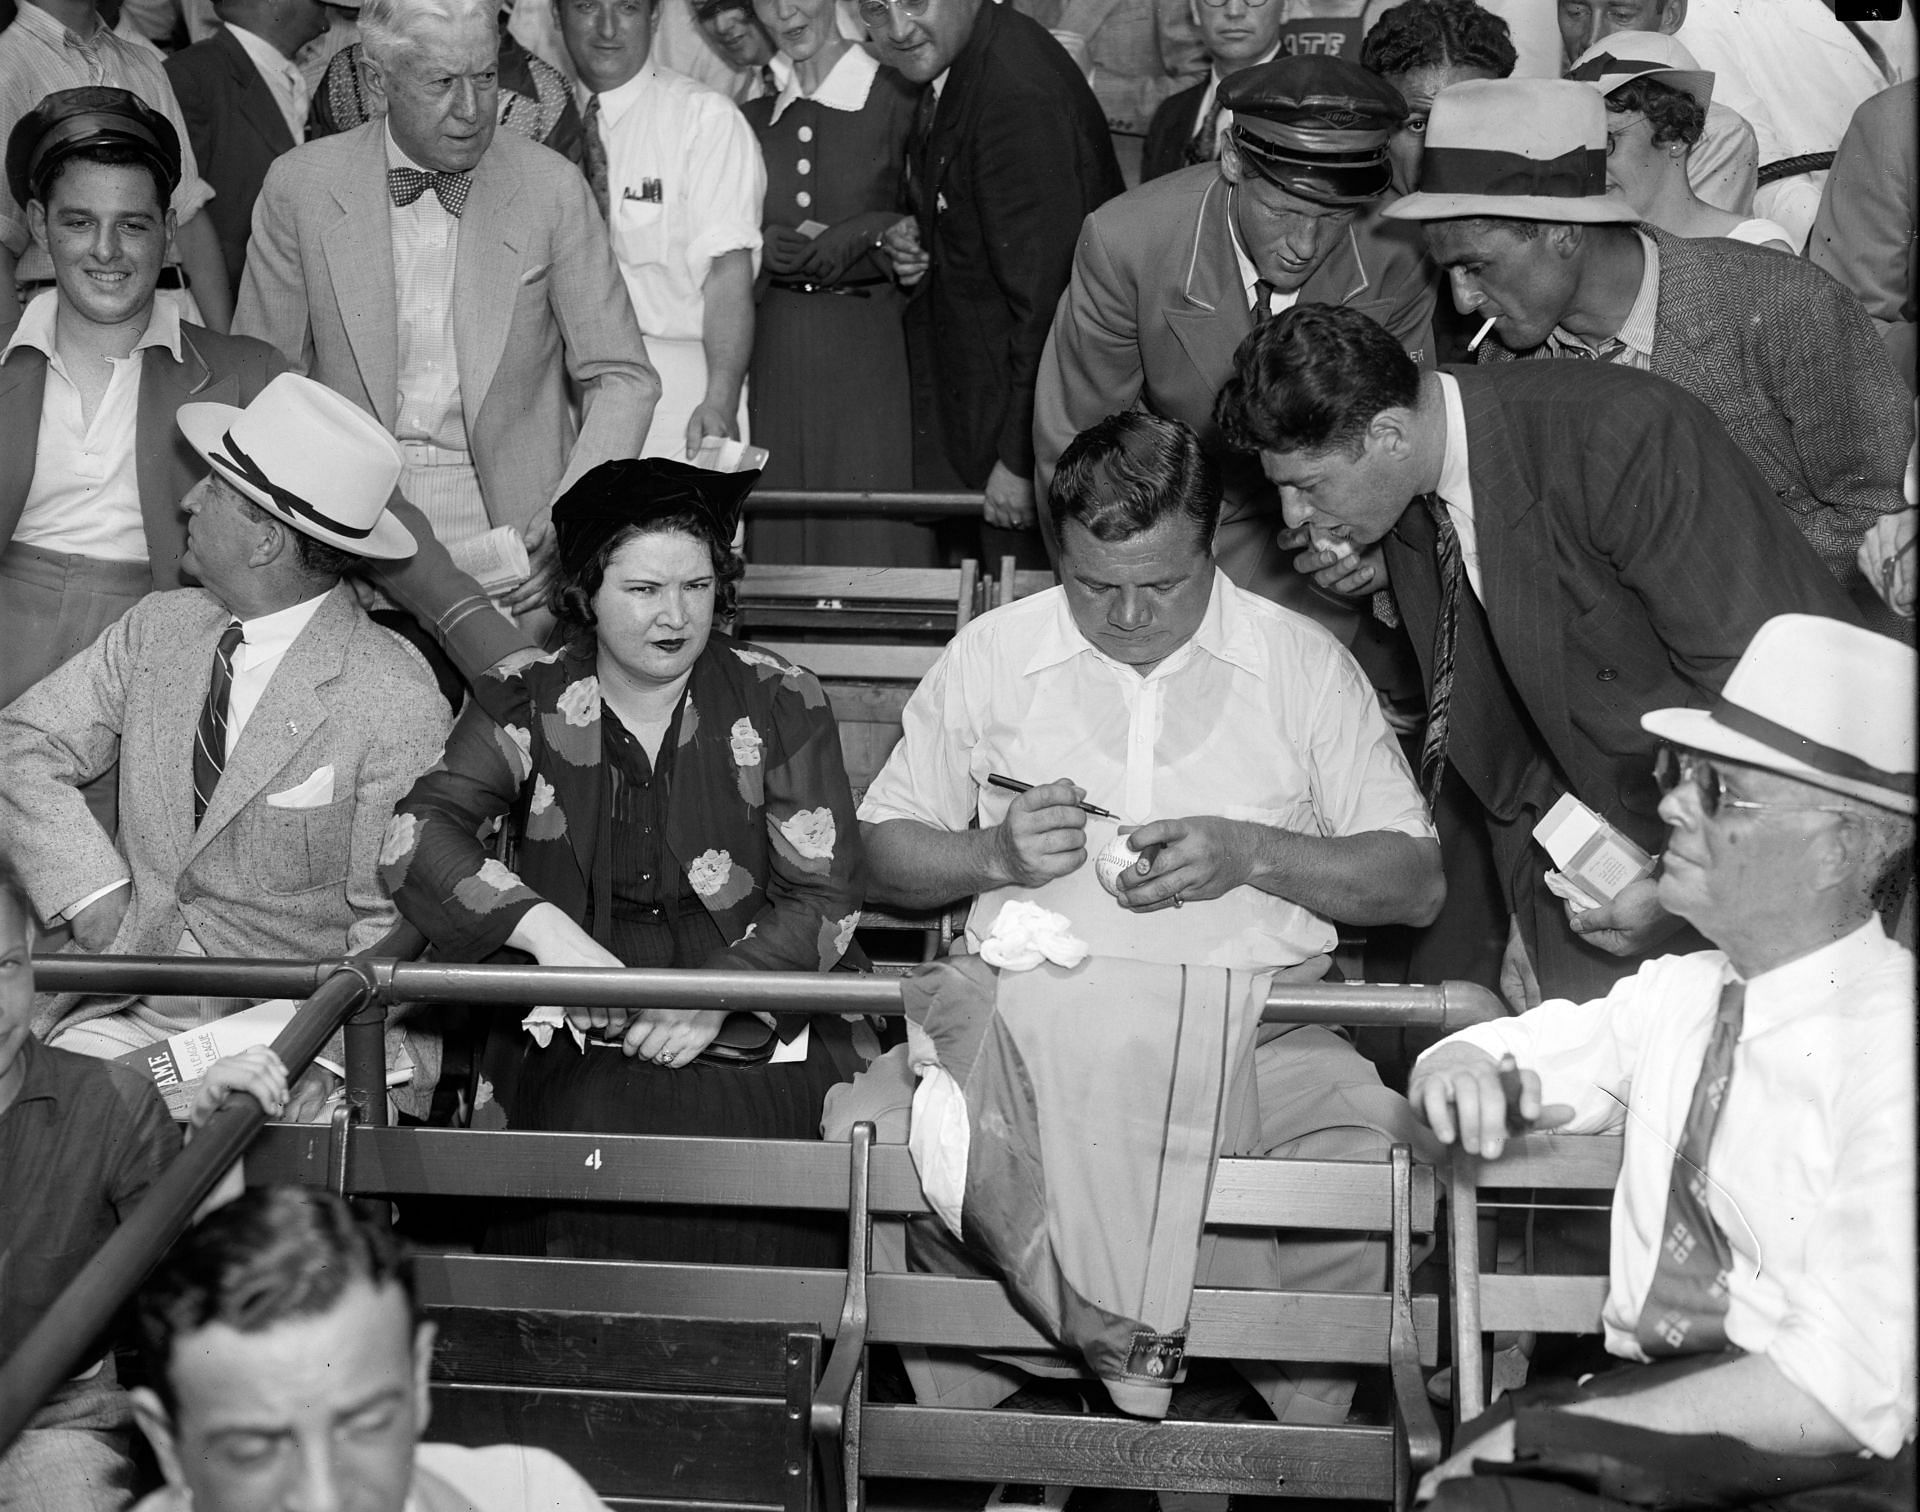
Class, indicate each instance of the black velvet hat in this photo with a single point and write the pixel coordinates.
(636, 490)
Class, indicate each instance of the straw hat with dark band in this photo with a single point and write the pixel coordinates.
(1526, 149)
(1626, 56)
(1818, 700)
(71, 120)
(1315, 127)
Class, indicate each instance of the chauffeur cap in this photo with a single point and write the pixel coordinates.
(71, 120)
(1316, 127)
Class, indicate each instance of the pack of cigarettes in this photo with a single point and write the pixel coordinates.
(1594, 859)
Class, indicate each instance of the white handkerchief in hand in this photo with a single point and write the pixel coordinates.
(315, 792)
(1025, 934)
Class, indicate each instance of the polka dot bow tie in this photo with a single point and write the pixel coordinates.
(408, 184)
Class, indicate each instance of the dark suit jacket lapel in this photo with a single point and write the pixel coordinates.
(1211, 317)
(950, 121)
(1519, 566)
(23, 387)
(165, 385)
(257, 105)
(1342, 278)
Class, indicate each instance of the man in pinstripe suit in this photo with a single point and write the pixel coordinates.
(1616, 553)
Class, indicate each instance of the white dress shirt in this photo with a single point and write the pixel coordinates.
(1262, 715)
(1456, 483)
(1632, 345)
(1811, 1171)
(684, 184)
(85, 494)
(426, 250)
(291, 92)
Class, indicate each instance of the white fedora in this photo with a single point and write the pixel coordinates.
(1526, 149)
(1628, 55)
(311, 459)
(1818, 700)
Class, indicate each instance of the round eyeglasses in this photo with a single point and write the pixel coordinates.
(876, 12)
(1671, 768)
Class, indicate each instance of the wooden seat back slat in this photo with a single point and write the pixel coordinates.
(1333, 1194)
(542, 1346)
(954, 1444)
(936, 1310)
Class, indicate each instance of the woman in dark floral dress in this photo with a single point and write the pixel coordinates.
(670, 797)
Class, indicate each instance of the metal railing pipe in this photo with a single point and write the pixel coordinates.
(1449, 1006)
(82, 1313)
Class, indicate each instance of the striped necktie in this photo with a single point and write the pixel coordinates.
(1204, 145)
(1433, 749)
(594, 153)
(1686, 1307)
(210, 739)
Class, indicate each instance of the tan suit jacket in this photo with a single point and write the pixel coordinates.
(256, 878)
(537, 301)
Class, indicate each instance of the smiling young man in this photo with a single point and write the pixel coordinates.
(1570, 544)
(91, 375)
(1761, 1281)
(1168, 279)
(288, 1369)
(1243, 742)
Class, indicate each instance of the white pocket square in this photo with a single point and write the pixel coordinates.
(315, 792)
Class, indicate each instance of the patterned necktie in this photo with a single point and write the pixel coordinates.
(210, 740)
(595, 152)
(918, 135)
(407, 185)
(1204, 145)
(1686, 1306)
(1433, 750)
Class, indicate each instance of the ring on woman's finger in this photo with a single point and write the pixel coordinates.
(1176, 900)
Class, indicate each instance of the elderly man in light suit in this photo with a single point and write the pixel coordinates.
(450, 280)
(263, 724)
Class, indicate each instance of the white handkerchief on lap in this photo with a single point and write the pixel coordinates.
(315, 792)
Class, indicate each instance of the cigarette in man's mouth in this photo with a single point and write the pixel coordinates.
(1481, 335)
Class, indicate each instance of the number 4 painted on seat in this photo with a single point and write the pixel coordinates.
(592, 1162)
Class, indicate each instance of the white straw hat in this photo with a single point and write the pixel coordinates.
(1527, 149)
(312, 459)
(1818, 700)
(1628, 55)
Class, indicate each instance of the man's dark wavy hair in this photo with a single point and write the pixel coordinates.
(272, 1254)
(1311, 380)
(1130, 471)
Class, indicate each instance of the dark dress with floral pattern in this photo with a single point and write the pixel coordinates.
(736, 849)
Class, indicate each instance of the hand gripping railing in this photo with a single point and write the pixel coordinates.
(49, 1354)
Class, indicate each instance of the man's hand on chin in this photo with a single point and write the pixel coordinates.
(1494, 1446)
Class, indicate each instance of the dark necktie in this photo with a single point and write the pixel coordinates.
(1433, 750)
(1263, 293)
(1686, 1306)
(1204, 145)
(595, 154)
(769, 85)
(408, 184)
(918, 135)
(210, 739)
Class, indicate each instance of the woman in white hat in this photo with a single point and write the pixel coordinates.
(1657, 99)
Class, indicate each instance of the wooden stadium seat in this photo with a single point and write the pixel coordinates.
(1011, 584)
(1485, 1302)
(856, 1438)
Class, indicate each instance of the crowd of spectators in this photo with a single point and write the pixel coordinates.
(373, 376)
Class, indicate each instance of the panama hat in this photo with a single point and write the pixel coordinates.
(1629, 55)
(310, 458)
(1528, 149)
(1818, 700)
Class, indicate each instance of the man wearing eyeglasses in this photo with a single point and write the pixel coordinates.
(1008, 152)
(1761, 1281)
(1570, 544)
(1168, 279)
(1187, 128)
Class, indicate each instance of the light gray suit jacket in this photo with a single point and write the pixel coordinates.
(256, 878)
(537, 299)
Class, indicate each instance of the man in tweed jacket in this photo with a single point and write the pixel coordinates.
(1782, 354)
(325, 720)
